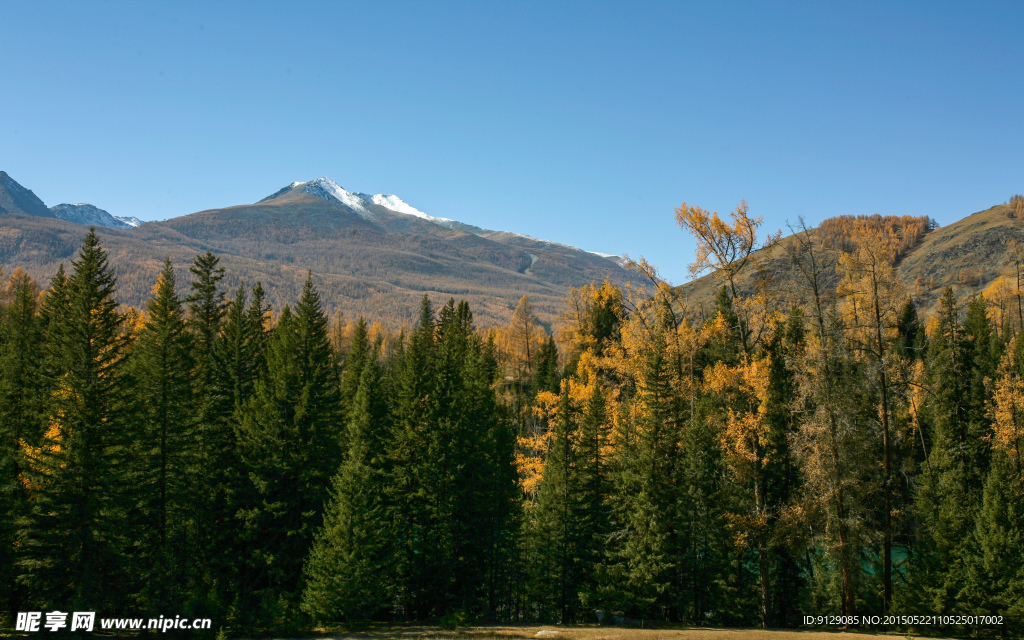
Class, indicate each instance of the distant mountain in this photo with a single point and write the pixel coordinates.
(87, 214)
(368, 206)
(370, 255)
(15, 198)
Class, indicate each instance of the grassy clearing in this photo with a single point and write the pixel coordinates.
(592, 633)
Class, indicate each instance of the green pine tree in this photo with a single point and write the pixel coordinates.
(994, 563)
(21, 393)
(165, 450)
(347, 575)
(289, 446)
(555, 572)
(75, 535)
(545, 371)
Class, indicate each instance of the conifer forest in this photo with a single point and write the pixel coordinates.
(819, 448)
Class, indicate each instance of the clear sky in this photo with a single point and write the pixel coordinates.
(581, 122)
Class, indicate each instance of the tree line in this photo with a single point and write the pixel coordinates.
(835, 454)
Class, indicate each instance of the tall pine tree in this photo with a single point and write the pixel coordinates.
(75, 539)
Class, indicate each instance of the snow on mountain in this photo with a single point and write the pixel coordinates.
(131, 221)
(87, 214)
(401, 206)
(331, 191)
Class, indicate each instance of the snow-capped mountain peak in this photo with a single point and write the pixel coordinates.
(332, 192)
(87, 214)
(360, 202)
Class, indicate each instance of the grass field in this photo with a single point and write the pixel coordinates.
(594, 633)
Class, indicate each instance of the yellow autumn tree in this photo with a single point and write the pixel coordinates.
(999, 299)
(727, 249)
(523, 336)
(1008, 409)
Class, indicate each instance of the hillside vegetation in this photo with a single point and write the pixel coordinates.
(970, 256)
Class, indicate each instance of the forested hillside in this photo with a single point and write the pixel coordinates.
(748, 465)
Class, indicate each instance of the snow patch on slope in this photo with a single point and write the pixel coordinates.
(331, 191)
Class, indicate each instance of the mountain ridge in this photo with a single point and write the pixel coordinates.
(367, 259)
(969, 256)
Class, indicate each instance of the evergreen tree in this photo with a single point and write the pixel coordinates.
(994, 562)
(909, 344)
(950, 490)
(239, 349)
(206, 308)
(643, 565)
(165, 451)
(240, 359)
(557, 571)
(289, 445)
(358, 355)
(21, 394)
(347, 569)
(545, 371)
(782, 474)
(75, 534)
(452, 480)
(414, 508)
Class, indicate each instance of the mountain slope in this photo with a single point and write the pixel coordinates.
(366, 258)
(968, 256)
(15, 198)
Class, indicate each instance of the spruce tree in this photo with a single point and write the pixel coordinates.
(289, 446)
(347, 575)
(556, 572)
(545, 371)
(950, 488)
(413, 479)
(21, 394)
(643, 564)
(358, 354)
(75, 539)
(165, 448)
(994, 562)
(206, 307)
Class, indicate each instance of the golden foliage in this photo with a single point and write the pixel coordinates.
(846, 233)
(1008, 409)
(723, 247)
(1017, 205)
(577, 326)
(999, 296)
(872, 294)
(8, 290)
(745, 390)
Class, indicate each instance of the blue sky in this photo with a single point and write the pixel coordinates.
(581, 122)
